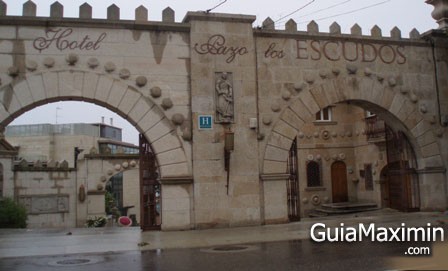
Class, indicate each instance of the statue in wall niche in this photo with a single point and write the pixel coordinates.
(224, 97)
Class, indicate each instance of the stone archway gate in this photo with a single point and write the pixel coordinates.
(162, 77)
(140, 75)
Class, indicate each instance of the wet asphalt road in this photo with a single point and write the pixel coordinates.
(290, 255)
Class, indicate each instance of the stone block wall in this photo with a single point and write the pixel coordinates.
(8, 176)
(177, 205)
(131, 191)
(275, 209)
(49, 196)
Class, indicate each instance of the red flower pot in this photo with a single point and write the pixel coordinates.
(124, 221)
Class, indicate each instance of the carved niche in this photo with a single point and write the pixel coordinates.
(224, 98)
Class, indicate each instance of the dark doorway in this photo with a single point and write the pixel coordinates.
(150, 188)
(293, 184)
(400, 174)
(339, 182)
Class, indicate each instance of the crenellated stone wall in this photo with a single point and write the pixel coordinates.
(189, 86)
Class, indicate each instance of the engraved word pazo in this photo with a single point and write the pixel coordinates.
(216, 45)
(60, 38)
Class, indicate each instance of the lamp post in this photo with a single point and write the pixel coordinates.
(228, 148)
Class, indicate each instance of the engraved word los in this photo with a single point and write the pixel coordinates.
(60, 39)
(216, 45)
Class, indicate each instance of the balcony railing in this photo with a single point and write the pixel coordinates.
(375, 128)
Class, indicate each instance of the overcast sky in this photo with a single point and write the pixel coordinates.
(405, 14)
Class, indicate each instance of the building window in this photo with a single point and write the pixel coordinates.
(109, 148)
(313, 176)
(115, 187)
(368, 176)
(324, 115)
(375, 128)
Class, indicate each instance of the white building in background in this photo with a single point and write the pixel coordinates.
(52, 161)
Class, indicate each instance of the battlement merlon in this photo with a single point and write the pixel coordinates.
(141, 22)
(29, 18)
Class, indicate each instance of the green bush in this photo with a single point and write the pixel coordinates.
(109, 202)
(12, 214)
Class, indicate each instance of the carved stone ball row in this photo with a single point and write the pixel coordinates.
(352, 69)
(325, 134)
(117, 168)
(324, 74)
(109, 67)
(336, 157)
(93, 63)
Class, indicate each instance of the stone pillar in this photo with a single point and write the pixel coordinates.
(440, 12)
(275, 198)
(439, 41)
(215, 204)
(177, 203)
(433, 190)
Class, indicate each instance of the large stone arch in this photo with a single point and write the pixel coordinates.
(396, 104)
(35, 89)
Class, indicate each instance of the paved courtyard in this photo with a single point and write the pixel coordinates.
(262, 247)
(284, 255)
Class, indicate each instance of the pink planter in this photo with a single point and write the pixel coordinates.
(124, 221)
